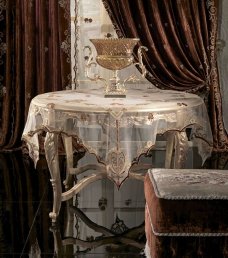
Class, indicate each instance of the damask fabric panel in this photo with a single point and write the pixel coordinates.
(186, 213)
(182, 53)
(117, 130)
(34, 58)
(178, 54)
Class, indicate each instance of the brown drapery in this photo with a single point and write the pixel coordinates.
(34, 58)
(181, 38)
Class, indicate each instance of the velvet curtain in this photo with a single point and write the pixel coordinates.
(34, 58)
(181, 38)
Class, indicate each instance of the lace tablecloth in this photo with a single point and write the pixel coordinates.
(118, 131)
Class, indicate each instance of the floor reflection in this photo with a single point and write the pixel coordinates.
(119, 241)
(99, 222)
(23, 190)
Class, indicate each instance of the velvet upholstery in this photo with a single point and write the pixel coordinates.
(185, 216)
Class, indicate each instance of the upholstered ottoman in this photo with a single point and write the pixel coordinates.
(186, 213)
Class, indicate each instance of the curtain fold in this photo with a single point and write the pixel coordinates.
(181, 39)
(34, 58)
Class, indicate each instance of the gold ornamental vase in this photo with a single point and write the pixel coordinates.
(114, 54)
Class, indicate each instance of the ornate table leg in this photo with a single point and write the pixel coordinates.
(57, 241)
(67, 140)
(169, 149)
(51, 153)
(68, 182)
(181, 148)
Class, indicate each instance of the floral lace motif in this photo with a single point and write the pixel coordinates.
(66, 43)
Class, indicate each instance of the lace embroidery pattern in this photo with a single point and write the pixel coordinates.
(120, 34)
(66, 44)
(164, 182)
(115, 25)
(65, 4)
(213, 16)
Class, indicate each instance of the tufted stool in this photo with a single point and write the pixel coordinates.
(186, 213)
